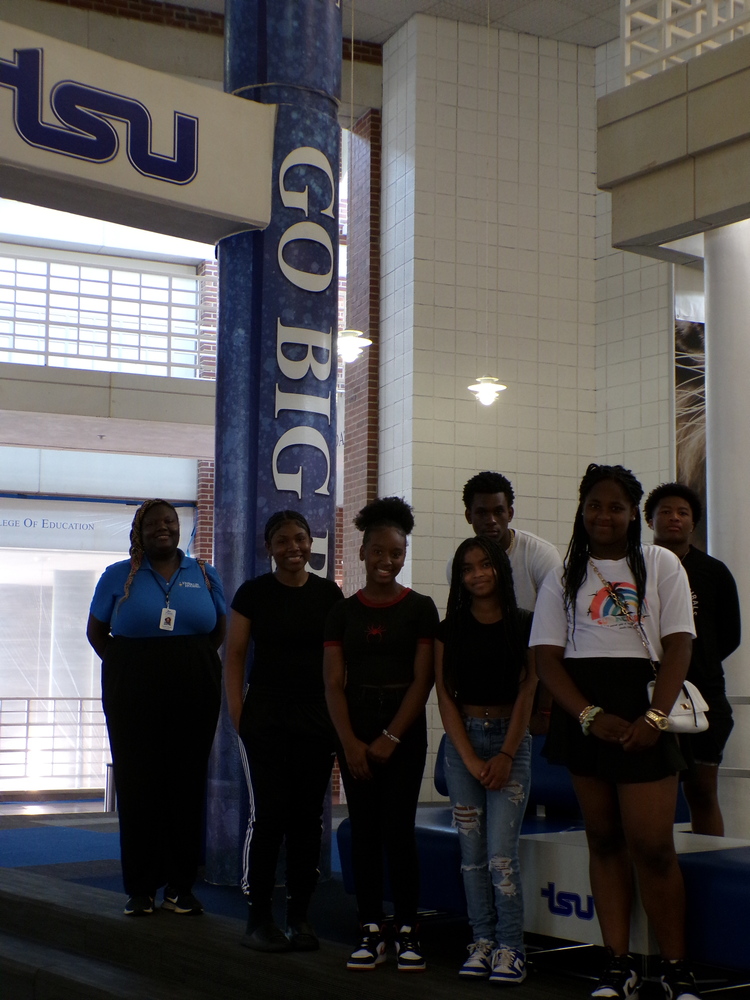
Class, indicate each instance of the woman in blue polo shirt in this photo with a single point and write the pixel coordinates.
(157, 620)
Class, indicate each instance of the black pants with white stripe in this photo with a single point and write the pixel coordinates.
(287, 753)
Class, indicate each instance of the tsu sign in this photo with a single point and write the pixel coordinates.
(82, 132)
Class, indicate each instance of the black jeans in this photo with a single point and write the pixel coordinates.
(161, 698)
(288, 753)
(382, 812)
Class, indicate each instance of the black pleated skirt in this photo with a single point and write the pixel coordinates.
(619, 686)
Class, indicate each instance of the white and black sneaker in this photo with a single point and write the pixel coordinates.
(479, 963)
(678, 981)
(370, 952)
(408, 950)
(619, 981)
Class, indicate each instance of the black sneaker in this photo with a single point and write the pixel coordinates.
(408, 950)
(370, 952)
(266, 936)
(678, 981)
(302, 936)
(619, 981)
(181, 902)
(139, 906)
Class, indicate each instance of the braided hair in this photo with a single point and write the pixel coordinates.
(579, 552)
(385, 512)
(136, 541)
(458, 608)
(275, 521)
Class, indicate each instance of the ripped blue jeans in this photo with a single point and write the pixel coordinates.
(489, 827)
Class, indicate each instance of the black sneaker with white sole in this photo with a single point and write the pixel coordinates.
(619, 980)
(184, 903)
(139, 906)
(678, 981)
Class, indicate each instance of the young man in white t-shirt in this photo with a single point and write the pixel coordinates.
(488, 500)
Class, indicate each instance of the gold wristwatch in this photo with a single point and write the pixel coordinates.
(657, 719)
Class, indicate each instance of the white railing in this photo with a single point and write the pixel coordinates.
(52, 743)
(657, 34)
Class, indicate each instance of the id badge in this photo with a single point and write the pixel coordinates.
(167, 619)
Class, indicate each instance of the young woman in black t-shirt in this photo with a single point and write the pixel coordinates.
(378, 674)
(287, 742)
(485, 687)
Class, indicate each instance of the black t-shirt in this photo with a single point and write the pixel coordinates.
(287, 633)
(380, 640)
(483, 671)
(716, 609)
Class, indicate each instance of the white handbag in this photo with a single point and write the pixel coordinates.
(688, 713)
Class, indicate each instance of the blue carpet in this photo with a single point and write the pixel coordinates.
(56, 845)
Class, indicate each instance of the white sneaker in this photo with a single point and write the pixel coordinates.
(409, 951)
(508, 966)
(371, 950)
(479, 963)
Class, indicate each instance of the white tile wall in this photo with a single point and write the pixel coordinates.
(497, 260)
(635, 339)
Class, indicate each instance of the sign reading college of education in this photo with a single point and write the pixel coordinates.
(74, 525)
(83, 132)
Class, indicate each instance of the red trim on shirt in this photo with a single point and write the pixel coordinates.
(389, 604)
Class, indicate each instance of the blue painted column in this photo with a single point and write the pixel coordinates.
(278, 309)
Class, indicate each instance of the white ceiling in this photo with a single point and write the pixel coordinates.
(586, 22)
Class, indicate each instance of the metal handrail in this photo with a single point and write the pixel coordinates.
(52, 743)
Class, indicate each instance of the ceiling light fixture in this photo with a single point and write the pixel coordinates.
(487, 389)
(350, 344)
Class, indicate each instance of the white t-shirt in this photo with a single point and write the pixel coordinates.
(600, 627)
(531, 559)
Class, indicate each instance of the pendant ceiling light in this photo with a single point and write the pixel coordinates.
(350, 344)
(486, 388)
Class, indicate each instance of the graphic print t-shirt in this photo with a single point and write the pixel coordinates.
(601, 627)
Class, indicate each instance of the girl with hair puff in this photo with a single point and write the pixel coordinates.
(485, 688)
(378, 669)
(157, 620)
(615, 606)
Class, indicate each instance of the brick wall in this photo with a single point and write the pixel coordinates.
(203, 543)
(361, 377)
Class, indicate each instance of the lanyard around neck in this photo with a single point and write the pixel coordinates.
(166, 586)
